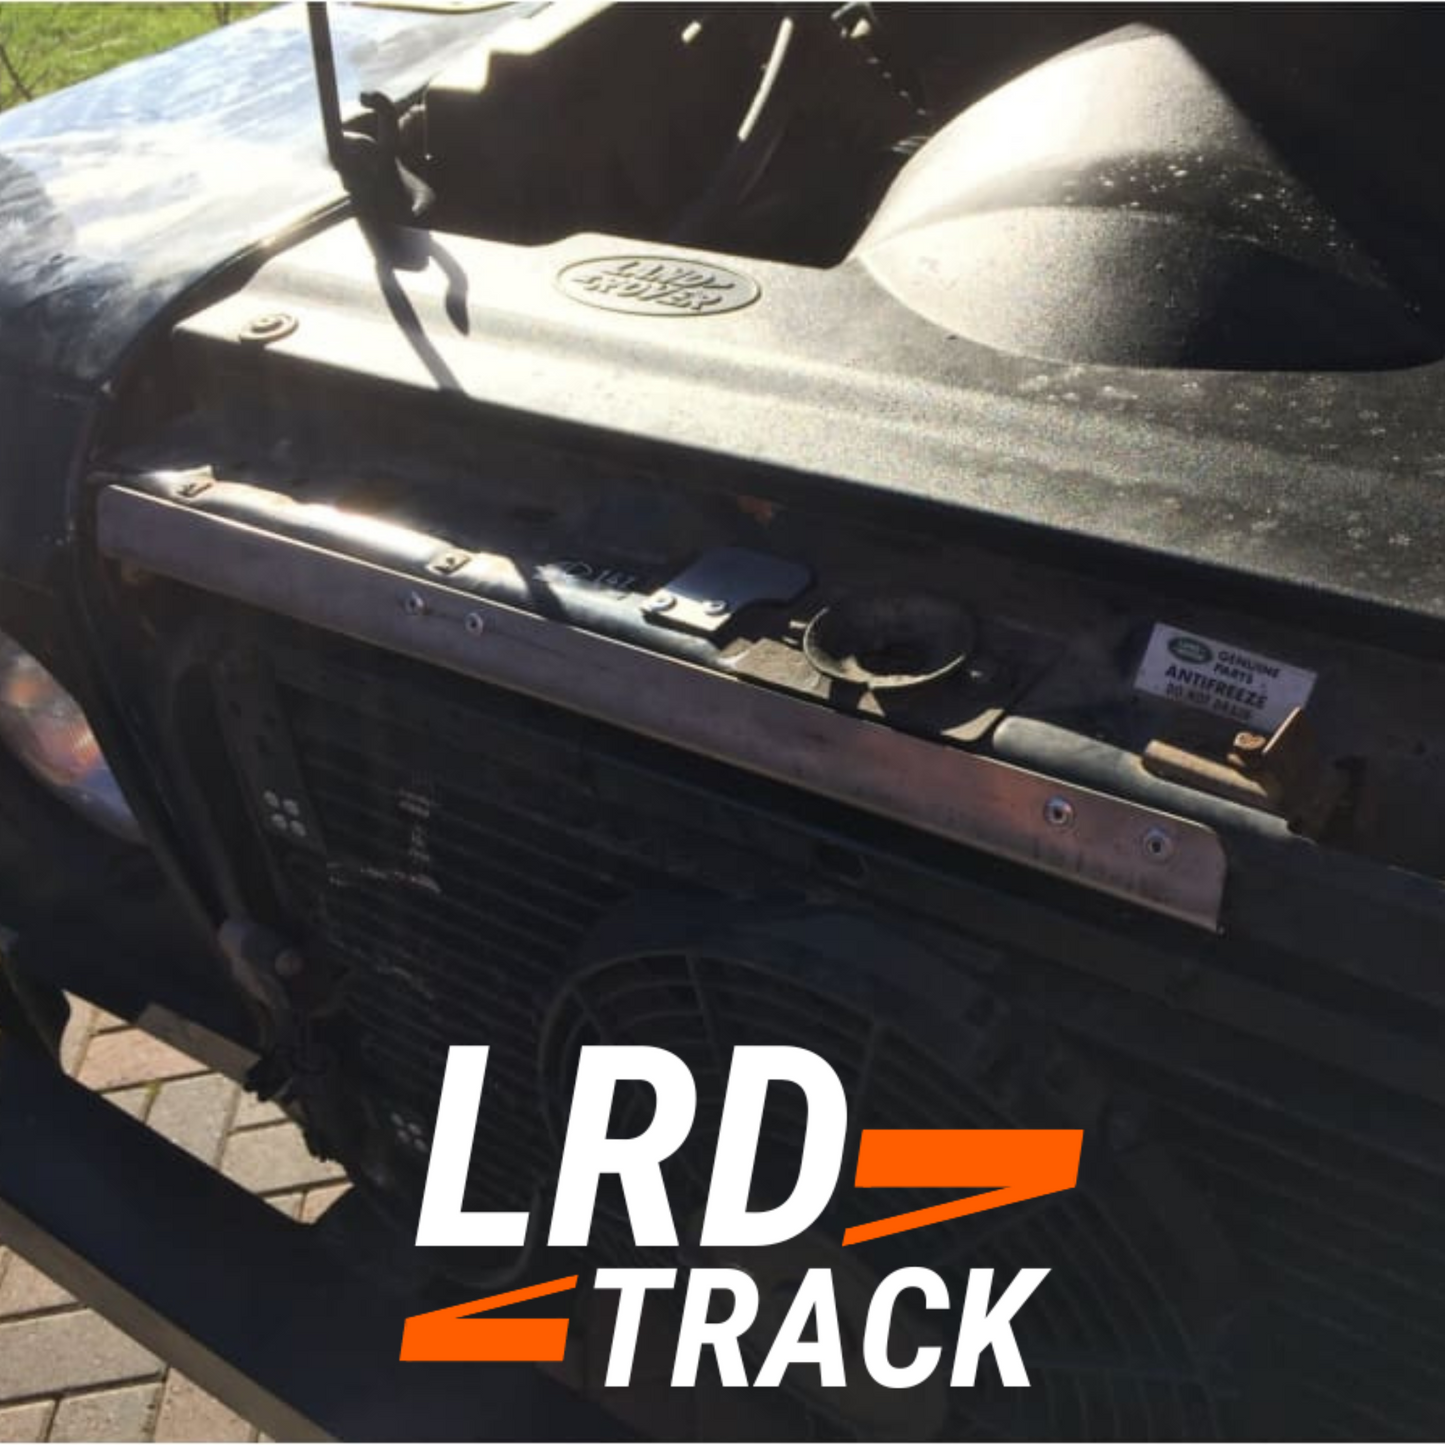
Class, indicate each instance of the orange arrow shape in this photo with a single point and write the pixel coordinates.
(1013, 1164)
(450, 1334)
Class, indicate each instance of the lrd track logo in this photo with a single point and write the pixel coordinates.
(1010, 1165)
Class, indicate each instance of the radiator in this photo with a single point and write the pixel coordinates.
(493, 870)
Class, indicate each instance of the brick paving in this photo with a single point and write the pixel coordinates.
(68, 1374)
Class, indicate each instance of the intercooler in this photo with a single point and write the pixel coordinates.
(1257, 1245)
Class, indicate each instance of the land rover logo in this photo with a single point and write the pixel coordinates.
(1191, 649)
(656, 286)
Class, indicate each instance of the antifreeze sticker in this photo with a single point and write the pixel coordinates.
(1256, 692)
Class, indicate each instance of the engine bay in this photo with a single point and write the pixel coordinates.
(1056, 184)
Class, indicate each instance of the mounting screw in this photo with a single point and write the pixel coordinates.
(270, 327)
(476, 624)
(660, 602)
(414, 604)
(1158, 845)
(715, 607)
(1059, 813)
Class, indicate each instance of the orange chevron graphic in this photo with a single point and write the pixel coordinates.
(451, 1334)
(1013, 1164)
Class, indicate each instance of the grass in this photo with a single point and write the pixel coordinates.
(46, 47)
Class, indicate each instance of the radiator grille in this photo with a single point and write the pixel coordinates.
(457, 900)
(472, 843)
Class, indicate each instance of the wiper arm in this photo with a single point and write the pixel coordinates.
(369, 164)
(328, 88)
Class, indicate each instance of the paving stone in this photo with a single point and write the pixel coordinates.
(106, 1415)
(24, 1290)
(136, 1102)
(195, 1114)
(318, 1201)
(252, 1111)
(274, 1159)
(69, 1351)
(188, 1413)
(131, 1056)
(25, 1422)
(77, 1034)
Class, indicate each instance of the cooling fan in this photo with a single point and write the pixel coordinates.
(1116, 1340)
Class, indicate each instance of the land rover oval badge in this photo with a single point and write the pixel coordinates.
(657, 286)
(1191, 649)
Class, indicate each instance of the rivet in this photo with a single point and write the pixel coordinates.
(270, 327)
(1158, 845)
(660, 602)
(278, 821)
(715, 607)
(270, 799)
(414, 604)
(1059, 813)
(298, 830)
(475, 623)
(291, 808)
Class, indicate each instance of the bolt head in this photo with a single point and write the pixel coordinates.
(660, 602)
(1158, 845)
(715, 607)
(1248, 752)
(413, 604)
(1059, 813)
(476, 623)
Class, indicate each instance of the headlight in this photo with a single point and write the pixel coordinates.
(44, 727)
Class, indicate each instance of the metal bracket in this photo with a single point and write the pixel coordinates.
(706, 596)
(1282, 774)
(1167, 863)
